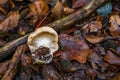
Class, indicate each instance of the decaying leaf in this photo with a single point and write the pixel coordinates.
(75, 49)
(94, 39)
(38, 7)
(3, 1)
(57, 10)
(94, 26)
(12, 68)
(37, 10)
(80, 56)
(112, 58)
(94, 59)
(115, 25)
(78, 3)
(49, 72)
(10, 21)
(3, 67)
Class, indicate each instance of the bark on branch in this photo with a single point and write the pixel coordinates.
(58, 25)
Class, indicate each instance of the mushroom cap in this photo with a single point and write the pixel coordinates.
(43, 37)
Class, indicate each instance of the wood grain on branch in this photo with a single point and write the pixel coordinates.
(58, 25)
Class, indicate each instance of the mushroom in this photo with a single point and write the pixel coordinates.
(42, 43)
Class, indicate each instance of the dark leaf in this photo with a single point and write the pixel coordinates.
(112, 58)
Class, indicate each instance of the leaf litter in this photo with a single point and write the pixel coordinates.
(88, 51)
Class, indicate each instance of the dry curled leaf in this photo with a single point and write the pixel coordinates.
(75, 49)
(112, 58)
(115, 25)
(10, 21)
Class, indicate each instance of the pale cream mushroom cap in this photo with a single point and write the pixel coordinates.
(43, 37)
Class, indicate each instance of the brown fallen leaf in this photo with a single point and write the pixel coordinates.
(116, 77)
(94, 26)
(111, 58)
(78, 3)
(57, 10)
(13, 65)
(94, 39)
(68, 10)
(38, 7)
(10, 21)
(3, 1)
(115, 25)
(71, 42)
(94, 59)
(75, 49)
(3, 67)
(91, 72)
(80, 56)
(49, 72)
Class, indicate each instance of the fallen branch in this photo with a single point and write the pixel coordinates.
(58, 25)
